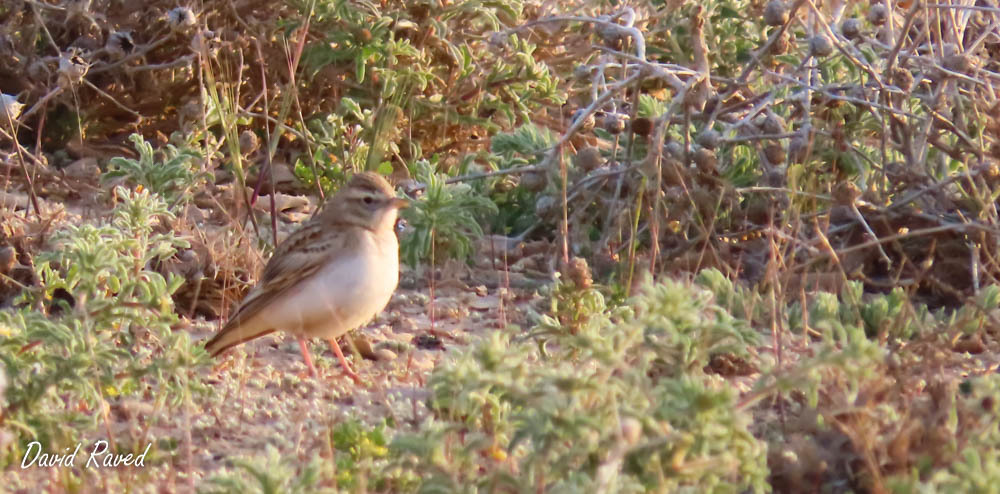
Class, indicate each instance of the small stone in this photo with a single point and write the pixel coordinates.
(427, 341)
(384, 354)
(83, 169)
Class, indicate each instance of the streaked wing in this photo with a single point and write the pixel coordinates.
(300, 256)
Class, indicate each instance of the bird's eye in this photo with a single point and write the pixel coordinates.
(368, 200)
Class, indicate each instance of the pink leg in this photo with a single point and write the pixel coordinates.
(343, 361)
(309, 360)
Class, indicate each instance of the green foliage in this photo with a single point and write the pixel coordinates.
(270, 473)
(340, 146)
(527, 140)
(740, 301)
(976, 467)
(358, 449)
(175, 177)
(892, 315)
(432, 45)
(731, 35)
(445, 219)
(114, 339)
(606, 408)
(525, 145)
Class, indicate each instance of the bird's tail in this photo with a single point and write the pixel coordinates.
(234, 333)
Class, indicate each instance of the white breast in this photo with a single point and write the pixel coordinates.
(344, 294)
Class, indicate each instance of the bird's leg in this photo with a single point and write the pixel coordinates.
(309, 360)
(343, 361)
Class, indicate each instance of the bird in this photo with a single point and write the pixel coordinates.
(333, 274)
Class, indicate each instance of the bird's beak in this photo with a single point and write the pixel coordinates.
(400, 203)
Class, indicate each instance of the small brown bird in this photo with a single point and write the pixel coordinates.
(330, 276)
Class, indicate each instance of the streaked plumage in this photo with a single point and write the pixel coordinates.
(330, 276)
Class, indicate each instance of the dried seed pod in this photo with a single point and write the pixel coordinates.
(820, 46)
(642, 126)
(958, 62)
(498, 41)
(507, 184)
(850, 28)
(632, 430)
(776, 177)
(672, 172)
(902, 78)
(674, 149)
(9, 109)
(798, 148)
(206, 41)
(612, 36)
(579, 273)
(775, 13)
(120, 43)
(544, 206)
(706, 161)
(845, 193)
(772, 124)
(363, 35)
(588, 158)
(78, 9)
(697, 97)
(780, 45)
(705, 200)
(775, 153)
(614, 123)
(534, 181)
(990, 171)
(877, 14)
(583, 71)
(589, 121)
(248, 142)
(181, 18)
(420, 10)
(8, 259)
(709, 139)
(72, 68)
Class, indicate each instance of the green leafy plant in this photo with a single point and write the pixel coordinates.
(270, 473)
(617, 406)
(98, 328)
(445, 219)
(175, 177)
